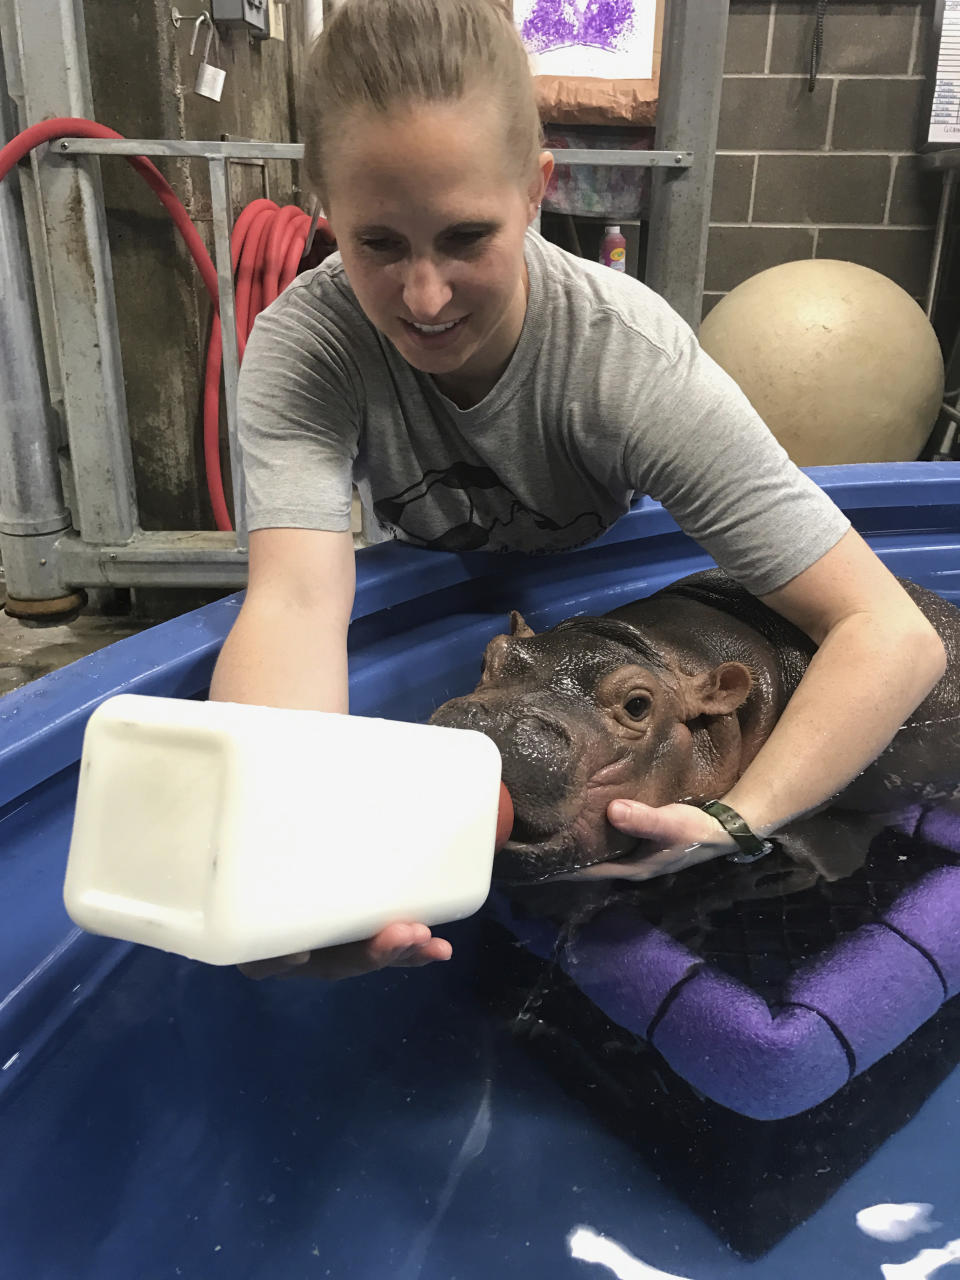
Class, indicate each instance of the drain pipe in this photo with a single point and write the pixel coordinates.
(32, 511)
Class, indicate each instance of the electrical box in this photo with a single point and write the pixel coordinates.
(250, 15)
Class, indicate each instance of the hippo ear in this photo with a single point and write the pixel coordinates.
(718, 692)
(519, 628)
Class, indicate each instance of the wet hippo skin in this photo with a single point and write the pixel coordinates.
(670, 698)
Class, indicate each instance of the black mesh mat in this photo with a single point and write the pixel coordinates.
(783, 1169)
(741, 921)
(762, 942)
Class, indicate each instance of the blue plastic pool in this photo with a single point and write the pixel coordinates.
(159, 1118)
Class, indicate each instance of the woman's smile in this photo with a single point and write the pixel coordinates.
(436, 336)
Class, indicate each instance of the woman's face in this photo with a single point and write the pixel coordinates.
(429, 215)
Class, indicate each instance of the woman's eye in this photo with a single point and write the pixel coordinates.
(637, 708)
(465, 239)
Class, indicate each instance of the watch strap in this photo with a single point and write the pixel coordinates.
(750, 847)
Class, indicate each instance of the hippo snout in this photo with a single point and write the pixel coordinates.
(537, 751)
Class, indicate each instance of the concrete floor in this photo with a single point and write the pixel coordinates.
(29, 652)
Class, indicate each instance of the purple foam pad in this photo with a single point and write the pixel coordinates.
(941, 826)
(930, 916)
(873, 986)
(843, 1010)
(628, 968)
(721, 1037)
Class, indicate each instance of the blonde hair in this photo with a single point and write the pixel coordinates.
(378, 54)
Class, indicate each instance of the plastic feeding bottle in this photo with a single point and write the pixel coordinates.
(613, 249)
(232, 833)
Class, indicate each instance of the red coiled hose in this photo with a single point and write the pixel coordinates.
(266, 249)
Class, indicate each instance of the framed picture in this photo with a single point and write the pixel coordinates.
(605, 39)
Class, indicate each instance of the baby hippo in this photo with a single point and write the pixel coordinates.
(670, 698)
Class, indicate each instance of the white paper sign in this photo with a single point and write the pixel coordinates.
(945, 116)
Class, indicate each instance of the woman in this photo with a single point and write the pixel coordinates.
(483, 389)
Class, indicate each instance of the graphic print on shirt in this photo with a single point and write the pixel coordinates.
(494, 518)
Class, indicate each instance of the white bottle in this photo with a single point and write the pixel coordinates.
(232, 833)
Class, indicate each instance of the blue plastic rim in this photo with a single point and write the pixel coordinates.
(155, 1110)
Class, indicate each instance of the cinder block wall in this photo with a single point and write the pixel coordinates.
(828, 174)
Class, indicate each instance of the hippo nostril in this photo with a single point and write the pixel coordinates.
(536, 725)
(556, 724)
(539, 749)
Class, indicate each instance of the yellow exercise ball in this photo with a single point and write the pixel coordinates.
(840, 362)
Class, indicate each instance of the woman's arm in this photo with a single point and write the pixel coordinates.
(288, 648)
(878, 658)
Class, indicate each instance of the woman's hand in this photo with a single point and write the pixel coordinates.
(406, 946)
(675, 836)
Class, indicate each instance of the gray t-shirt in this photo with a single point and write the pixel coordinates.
(607, 394)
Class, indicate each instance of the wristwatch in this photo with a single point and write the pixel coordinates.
(750, 847)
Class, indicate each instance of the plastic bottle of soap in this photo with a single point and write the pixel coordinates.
(613, 249)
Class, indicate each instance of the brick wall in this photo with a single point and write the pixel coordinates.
(828, 174)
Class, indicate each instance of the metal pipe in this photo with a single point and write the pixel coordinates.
(31, 497)
(294, 151)
(220, 204)
(943, 217)
(167, 559)
(691, 76)
(54, 75)
(29, 197)
(176, 147)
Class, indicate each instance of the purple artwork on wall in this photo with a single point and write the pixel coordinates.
(602, 24)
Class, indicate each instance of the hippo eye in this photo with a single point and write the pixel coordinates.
(637, 708)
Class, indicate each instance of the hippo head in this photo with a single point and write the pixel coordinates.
(591, 712)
